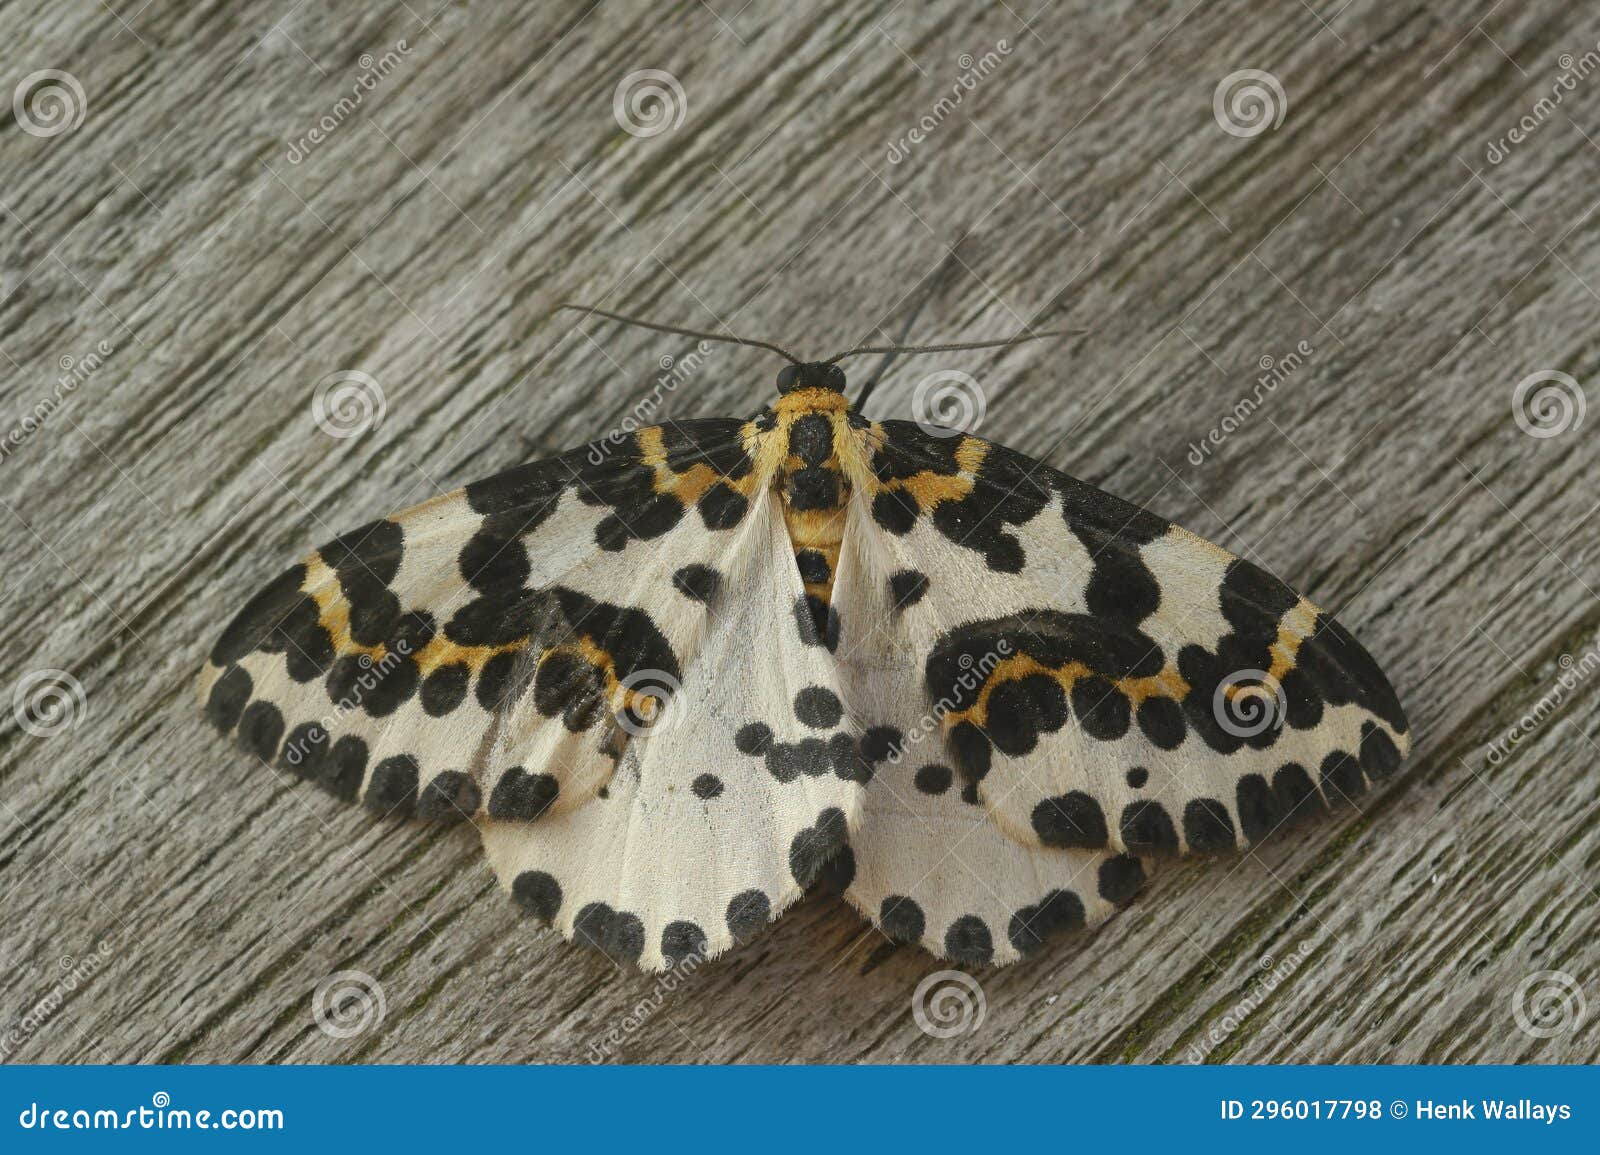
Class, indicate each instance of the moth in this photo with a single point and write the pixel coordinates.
(679, 677)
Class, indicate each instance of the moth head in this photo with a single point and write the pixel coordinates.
(813, 375)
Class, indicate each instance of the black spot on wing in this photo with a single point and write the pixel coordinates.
(681, 941)
(722, 507)
(1296, 793)
(617, 934)
(881, 743)
(1147, 828)
(340, 774)
(492, 561)
(817, 622)
(748, 912)
(366, 561)
(280, 619)
(814, 845)
(907, 588)
(444, 689)
(818, 706)
(392, 793)
(1161, 721)
(970, 748)
(229, 693)
(1380, 757)
(538, 893)
(754, 739)
(1260, 810)
(521, 796)
(1103, 711)
(1073, 819)
(305, 750)
(1120, 879)
(450, 796)
(1207, 828)
(261, 729)
(836, 874)
(697, 582)
(1021, 709)
(1060, 910)
(1342, 782)
(901, 919)
(569, 687)
(1342, 671)
(967, 940)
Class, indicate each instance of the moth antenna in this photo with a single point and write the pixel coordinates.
(1021, 338)
(702, 335)
(866, 391)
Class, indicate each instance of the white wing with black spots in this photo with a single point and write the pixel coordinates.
(930, 866)
(481, 653)
(1107, 681)
(742, 792)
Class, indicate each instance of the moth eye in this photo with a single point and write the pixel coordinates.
(788, 378)
(833, 378)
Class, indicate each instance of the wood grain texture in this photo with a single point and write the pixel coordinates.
(166, 901)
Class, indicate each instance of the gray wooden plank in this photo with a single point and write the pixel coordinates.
(164, 901)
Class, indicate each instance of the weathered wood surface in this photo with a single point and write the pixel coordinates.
(166, 901)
